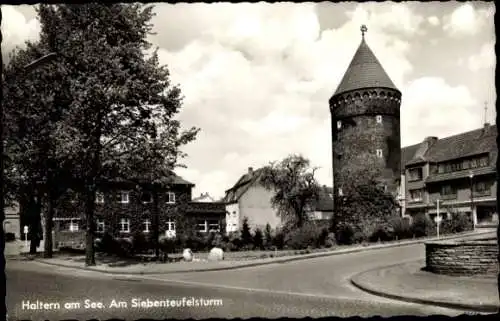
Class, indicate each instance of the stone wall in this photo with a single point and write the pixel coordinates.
(464, 258)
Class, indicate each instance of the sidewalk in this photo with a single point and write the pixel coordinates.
(128, 267)
(407, 282)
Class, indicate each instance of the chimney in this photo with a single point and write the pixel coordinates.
(424, 147)
(250, 170)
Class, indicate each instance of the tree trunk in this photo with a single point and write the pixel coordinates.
(89, 215)
(156, 224)
(49, 221)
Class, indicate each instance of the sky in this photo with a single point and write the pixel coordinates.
(257, 77)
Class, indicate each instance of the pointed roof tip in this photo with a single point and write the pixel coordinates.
(365, 70)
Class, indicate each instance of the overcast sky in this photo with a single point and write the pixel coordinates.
(257, 77)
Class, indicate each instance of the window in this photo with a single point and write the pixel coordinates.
(416, 195)
(340, 192)
(170, 224)
(202, 226)
(234, 213)
(147, 224)
(339, 124)
(441, 169)
(213, 225)
(448, 168)
(100, 226)
(99, 198)
(170, 198)
(73, 225)
(473, 163)
(125, 225)
(415, 174)
(481, 187)
(379, 153)
(331, 195)
(466, 164)
(379, 119)
(122, 197)
(447, 190)
(483, 161)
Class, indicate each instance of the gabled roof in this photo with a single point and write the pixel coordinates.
(242, 185)
(364, 71)
(475, 142)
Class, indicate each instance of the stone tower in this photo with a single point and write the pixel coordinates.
(366, 122)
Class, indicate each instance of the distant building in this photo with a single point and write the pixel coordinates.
(11, 223)
(459, 171)
(249, 198)
(204, 197)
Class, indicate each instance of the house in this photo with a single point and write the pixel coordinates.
(11, 223)
(249, 198)
(122, 210)
(458, 171)
(204, 197)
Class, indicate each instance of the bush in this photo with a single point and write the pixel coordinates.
(10, 237)
(217, 240)
(384, 233)
(167, 245)
(246, 235)
(345, 234)
(258, 240)
(422, 226)
(107, 244)
(309, 235)
(279, 240)
(330, 240)
(125, 247)
(402, 228)
(459, 222)
(268, 237)
(141, 243)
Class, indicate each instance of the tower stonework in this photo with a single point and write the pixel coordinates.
(365, 114)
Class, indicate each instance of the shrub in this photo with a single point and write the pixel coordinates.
(268, 237)
(107, 244)
(246, 235)
(141, 243)
(323, 236)
(422, 226)
(125, 247)
(10, 237)
(330, 240)
(217, 240)
(459, 222)
(384, 233)
(167, 245)
(345, 234)
(309, 235)
(279, 240)
(258, 240)
(402, 227)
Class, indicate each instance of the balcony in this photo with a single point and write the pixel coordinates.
(448, 196)
(481, 193)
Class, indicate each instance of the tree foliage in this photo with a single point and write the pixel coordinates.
(296, 190)
(105, 109)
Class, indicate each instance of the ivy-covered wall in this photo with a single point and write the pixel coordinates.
(356, 142)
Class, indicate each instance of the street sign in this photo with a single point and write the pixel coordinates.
(25, 236)
(25, 229)
(438, 219)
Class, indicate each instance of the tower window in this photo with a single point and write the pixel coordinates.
(339, 124)
(379, 153)
(379, 119)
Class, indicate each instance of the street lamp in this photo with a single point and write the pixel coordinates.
(471, 176)
(26, 69)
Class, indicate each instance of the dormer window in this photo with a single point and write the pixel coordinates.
(379, 119)
(379, 153)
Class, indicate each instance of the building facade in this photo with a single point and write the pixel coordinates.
(458, 172)
(249, 198)
(122, 210)
(365, 115)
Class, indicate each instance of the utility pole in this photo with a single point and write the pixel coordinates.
(438, 217)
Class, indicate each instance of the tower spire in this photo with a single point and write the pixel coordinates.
(363, 30)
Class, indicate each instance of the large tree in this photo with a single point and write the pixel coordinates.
(113, 104)
(295, 188)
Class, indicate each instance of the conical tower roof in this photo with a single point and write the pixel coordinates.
(364, 71)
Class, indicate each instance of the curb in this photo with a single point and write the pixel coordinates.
(275, 261)
(485, 308)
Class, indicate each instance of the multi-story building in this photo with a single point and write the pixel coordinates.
(249, 198)
(122, 209)
(458, 171)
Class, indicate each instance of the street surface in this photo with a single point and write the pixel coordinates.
(313, 287)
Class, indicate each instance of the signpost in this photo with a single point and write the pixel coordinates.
(25, 230)
(438, 217)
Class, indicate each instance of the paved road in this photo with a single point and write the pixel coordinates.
(328, 276)
(32, 282)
